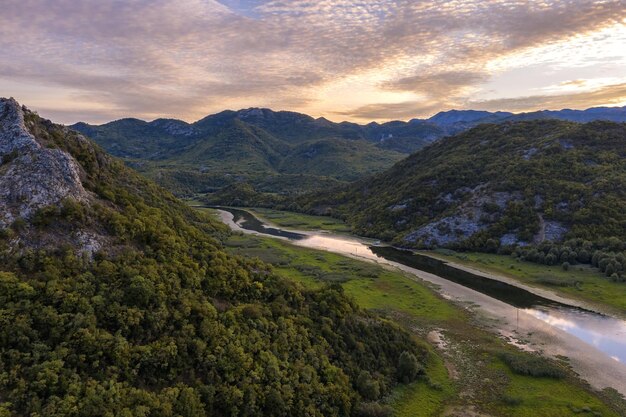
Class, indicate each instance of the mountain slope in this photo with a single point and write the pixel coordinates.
(496, 185)
(264, 148)
(117, 299)
(237, 147)
(256, 146)
(345, 160)
(134, 138)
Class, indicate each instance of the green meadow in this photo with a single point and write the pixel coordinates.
(471, 372)
(581, 282)
(300, 221)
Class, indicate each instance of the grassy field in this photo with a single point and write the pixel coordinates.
(580, 282)
(301, 221)
(468, 373)
(425, 397)
(526, 394)
(194, 202)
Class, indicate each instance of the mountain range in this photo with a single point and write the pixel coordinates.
(287, 152)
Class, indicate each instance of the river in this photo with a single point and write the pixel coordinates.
(594, 343)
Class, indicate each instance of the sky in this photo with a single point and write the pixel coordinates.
(357, 60)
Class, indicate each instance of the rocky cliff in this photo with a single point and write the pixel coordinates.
(42, 183)
(32, 176)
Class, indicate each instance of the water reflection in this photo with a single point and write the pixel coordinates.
(338, 244)
(607, 334)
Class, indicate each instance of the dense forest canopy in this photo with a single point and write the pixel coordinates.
(160, 321)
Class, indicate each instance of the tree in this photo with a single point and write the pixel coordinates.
(373, 410)
(408, 367)
(367, 386)
(583, 256)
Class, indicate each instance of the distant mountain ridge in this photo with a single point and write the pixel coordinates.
(446, 118)
(283, 151)
(288, 125)
(455, 121)
(275, 151)
(611, 114)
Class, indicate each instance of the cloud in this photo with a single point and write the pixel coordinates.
(390, 111)
(446, 82)
(573, 83)
(607, 95)
(185, 58)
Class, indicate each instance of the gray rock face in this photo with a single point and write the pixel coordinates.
(31, 176)
(447, 230)
(470, 218)
(529, 153)
(554, 231)
(174, 127)
(511, 239)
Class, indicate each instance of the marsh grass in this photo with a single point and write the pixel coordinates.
(301, 221)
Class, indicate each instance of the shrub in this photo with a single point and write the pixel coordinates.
(510, 400)
(373, 409)
(408, 367)
(532, 365)
(367, 386)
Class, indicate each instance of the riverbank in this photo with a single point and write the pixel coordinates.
(581, 285)
(549, 294)
(519, 327)
(466, 370)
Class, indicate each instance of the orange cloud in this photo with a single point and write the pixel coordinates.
(186, 58)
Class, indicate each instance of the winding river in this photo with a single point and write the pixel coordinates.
(531, 318)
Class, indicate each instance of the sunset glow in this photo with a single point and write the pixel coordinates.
(357, 60)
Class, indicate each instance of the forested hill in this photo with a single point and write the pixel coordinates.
(116, 299)
(519, 183)
(286, 152)
(280, 152)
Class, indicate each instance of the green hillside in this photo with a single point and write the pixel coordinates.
(236, 148)
(134, 138)
(118, 300)
(259, 147)
(345, 160)
(523, 184)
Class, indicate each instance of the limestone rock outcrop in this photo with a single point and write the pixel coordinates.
(32, 175)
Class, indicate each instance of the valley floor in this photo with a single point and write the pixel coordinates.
(470, 371)
(581, 282)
